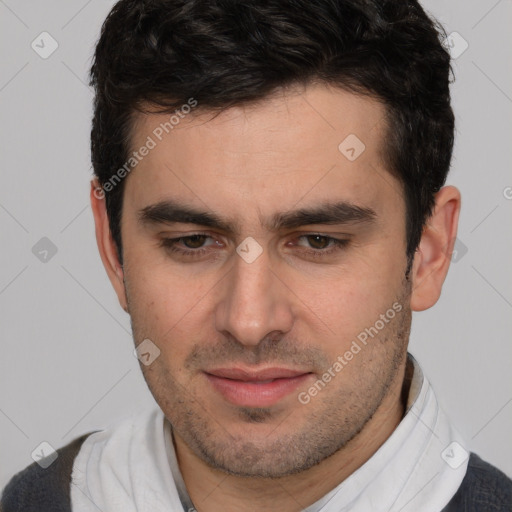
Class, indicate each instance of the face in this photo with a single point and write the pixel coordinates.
(267, 266)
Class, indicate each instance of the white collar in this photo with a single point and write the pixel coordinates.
(408, 473)
(128, 466)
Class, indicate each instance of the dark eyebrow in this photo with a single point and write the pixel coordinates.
(328, 213)
(170, 212)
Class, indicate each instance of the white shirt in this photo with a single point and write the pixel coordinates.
(131, 466)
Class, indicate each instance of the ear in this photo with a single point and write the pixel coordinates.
(433, 256)
(106, 245)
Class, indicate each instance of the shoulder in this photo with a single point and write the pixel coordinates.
(484, 489)
(37, 489)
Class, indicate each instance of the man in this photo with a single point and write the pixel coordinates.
(269, 207)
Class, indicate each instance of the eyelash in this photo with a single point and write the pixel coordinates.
(170, 244)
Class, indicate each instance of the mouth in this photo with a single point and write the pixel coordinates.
(256, 388)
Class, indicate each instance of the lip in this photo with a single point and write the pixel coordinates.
(256, 388)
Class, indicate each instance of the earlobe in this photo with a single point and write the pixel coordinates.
(433, 256)
(106, 245)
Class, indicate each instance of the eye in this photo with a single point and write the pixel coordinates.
(190, 246)
(318, 241)
(318, 245)
(193, 241)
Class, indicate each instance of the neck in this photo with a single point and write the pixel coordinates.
(212, 490)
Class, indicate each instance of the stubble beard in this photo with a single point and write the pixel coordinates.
(329, 423)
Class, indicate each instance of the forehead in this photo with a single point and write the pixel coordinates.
(294, 148)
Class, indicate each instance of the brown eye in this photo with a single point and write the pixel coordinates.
(318, 241)
(187, 248)
(317, 245)
(194, 241)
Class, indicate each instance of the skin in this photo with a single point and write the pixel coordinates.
(287, 308)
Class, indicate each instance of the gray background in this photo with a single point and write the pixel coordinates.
(66, 363)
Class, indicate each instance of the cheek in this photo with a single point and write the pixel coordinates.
(343, 304)
(153, 299)
(170, 310)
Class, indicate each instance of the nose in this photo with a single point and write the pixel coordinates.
(255, 304)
